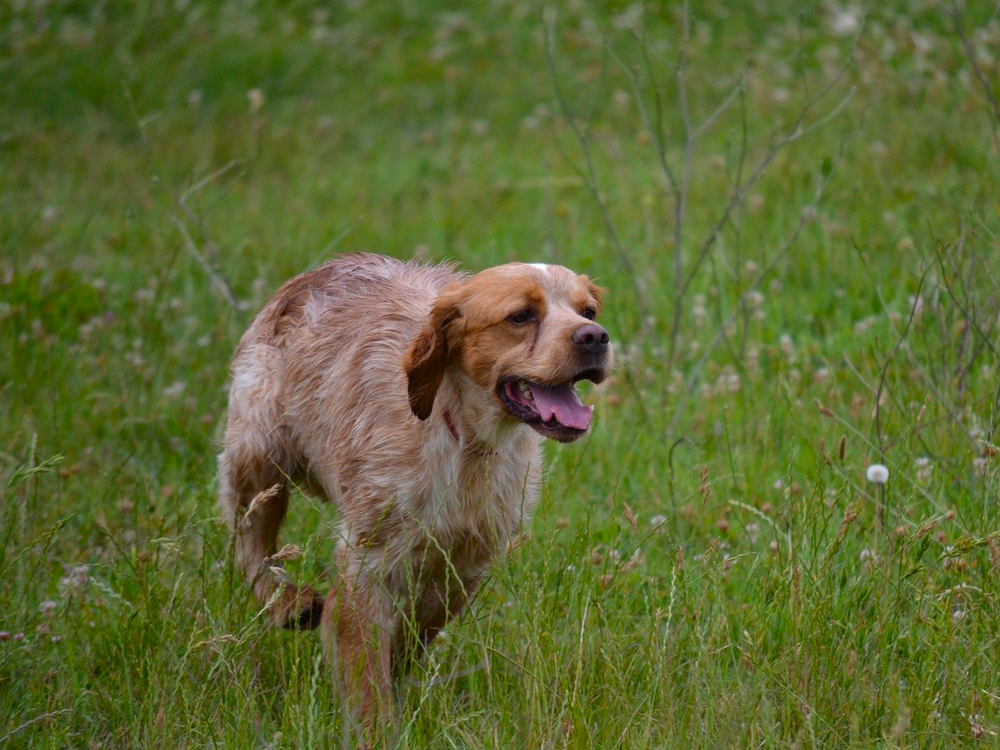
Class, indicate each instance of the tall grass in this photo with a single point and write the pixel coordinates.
(795, 211)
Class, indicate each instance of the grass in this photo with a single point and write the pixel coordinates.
(796, 214)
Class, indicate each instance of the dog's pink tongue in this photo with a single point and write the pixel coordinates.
(563, 404)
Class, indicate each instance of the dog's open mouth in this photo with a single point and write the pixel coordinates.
(554, 411)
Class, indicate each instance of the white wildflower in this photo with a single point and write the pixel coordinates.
(255, 98)
(845, 21)
(787, 346)
(877, 473)
(700, 311)
(923, 467)
(175, 389)
(75, 579)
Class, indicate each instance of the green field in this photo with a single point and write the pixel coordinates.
(796, 209)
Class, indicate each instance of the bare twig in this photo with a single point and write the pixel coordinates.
(779, 255)
(794, 133)
(885, 367)
(588, 172)
(679, 181)
(30, 722)
(213, 273)
(678, 169)
(970, 54)
(984, 335)
(205, 257)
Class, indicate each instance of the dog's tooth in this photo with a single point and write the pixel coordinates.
(526, 391)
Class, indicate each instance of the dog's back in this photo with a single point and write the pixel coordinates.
(335, 336)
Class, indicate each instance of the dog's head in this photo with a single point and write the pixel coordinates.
(524, 334)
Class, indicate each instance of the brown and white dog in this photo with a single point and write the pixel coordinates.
(415, 398)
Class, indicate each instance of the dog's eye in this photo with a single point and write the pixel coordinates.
(522, 316)
(590, 313)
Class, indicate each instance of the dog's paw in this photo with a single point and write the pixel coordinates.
(299, 608)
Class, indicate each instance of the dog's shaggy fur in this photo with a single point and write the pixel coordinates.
(415, 398)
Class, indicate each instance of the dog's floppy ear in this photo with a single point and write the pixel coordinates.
(429, 354)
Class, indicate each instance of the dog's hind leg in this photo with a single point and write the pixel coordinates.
(254, 499)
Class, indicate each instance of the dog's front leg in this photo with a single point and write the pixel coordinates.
(442, 600)
(360, 629)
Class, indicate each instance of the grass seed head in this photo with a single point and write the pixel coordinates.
(259, 500)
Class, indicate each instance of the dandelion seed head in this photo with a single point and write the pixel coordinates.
(787, 345)
(868, 557)
(877, 473)
(845, 21)
(175, 389)
(255, 98)
(75, 579)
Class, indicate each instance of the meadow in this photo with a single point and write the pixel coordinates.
(795, 208)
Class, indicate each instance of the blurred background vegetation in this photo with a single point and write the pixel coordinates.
(795, 210)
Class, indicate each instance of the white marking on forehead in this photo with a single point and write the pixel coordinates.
(543, 267)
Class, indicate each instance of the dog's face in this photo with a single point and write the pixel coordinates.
(524, 334)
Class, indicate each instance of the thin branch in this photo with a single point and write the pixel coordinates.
(709, 121)
(30, 722)
(885, 366)
(589, 173)
(209, 264)
(213, 273)
(220, 172)
(779, 255)
(963, 308)
(970, 54)
(655, 129)
(797, 131)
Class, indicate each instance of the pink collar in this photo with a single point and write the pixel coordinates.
(451, 425)
(454, 433)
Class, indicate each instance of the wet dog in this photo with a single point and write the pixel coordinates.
(415, 398)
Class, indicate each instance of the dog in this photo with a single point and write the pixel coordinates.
(415, 398)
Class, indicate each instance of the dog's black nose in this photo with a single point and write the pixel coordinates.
(591, 338)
